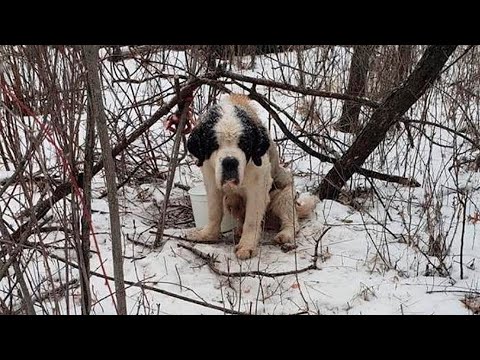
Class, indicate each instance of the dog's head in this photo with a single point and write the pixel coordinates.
(229, 136)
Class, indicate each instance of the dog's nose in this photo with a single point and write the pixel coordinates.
(230, 163)
(230, 170)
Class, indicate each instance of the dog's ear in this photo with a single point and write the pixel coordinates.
(202, 141)
(254, 140)
(194, 145)
(261, 143)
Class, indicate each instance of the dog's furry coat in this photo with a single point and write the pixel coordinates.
(242, 175)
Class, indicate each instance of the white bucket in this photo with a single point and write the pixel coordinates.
(198, 197)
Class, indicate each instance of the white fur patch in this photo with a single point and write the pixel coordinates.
(229, 128)
(228, 131)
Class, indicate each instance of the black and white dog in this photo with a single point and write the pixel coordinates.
(242, 175)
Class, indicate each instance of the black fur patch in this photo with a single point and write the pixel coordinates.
(254, 139)
(202, 141)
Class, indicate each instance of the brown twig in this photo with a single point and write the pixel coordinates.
(463, 201)
(407, 121)
(152, 288)
(183, 108)
(454, 291)
(211, 260)
(127, 179)
(150, 246)
(298, 89)
(59, 290)
(43, 206)
(27, 298)
(362, 171)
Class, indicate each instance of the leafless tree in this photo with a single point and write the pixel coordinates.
(357, 83)
(387, 114)
(98, 113)
(402, 103)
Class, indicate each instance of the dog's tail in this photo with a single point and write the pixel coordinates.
(305, 205)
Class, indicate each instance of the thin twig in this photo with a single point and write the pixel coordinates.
(152, 288)
(298, 89)
(59, 290)
(454, 291)
(464, 220)
(183, 107)
(362, 171)
(27, 298)
(211, 260)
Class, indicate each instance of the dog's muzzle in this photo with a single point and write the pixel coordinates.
(230, 170)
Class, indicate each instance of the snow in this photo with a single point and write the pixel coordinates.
(5, 175)
(370, 261)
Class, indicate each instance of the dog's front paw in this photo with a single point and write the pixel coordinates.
(245, 251)
(204, 234)
(284, 236)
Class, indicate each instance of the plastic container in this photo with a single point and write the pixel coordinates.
(198, 197)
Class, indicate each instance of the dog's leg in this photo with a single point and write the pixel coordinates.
(283, 205)
(211, 231)
(256, 205)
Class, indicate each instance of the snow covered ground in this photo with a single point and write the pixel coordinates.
(372, 260)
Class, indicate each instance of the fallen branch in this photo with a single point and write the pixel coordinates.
(152, 288)
(222, 240)
(454, 291)
(211, 260)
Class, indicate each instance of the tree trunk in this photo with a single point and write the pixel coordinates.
(98, 113)
(357, 83)
(83, 249)
(389, 112)
(405, 53)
